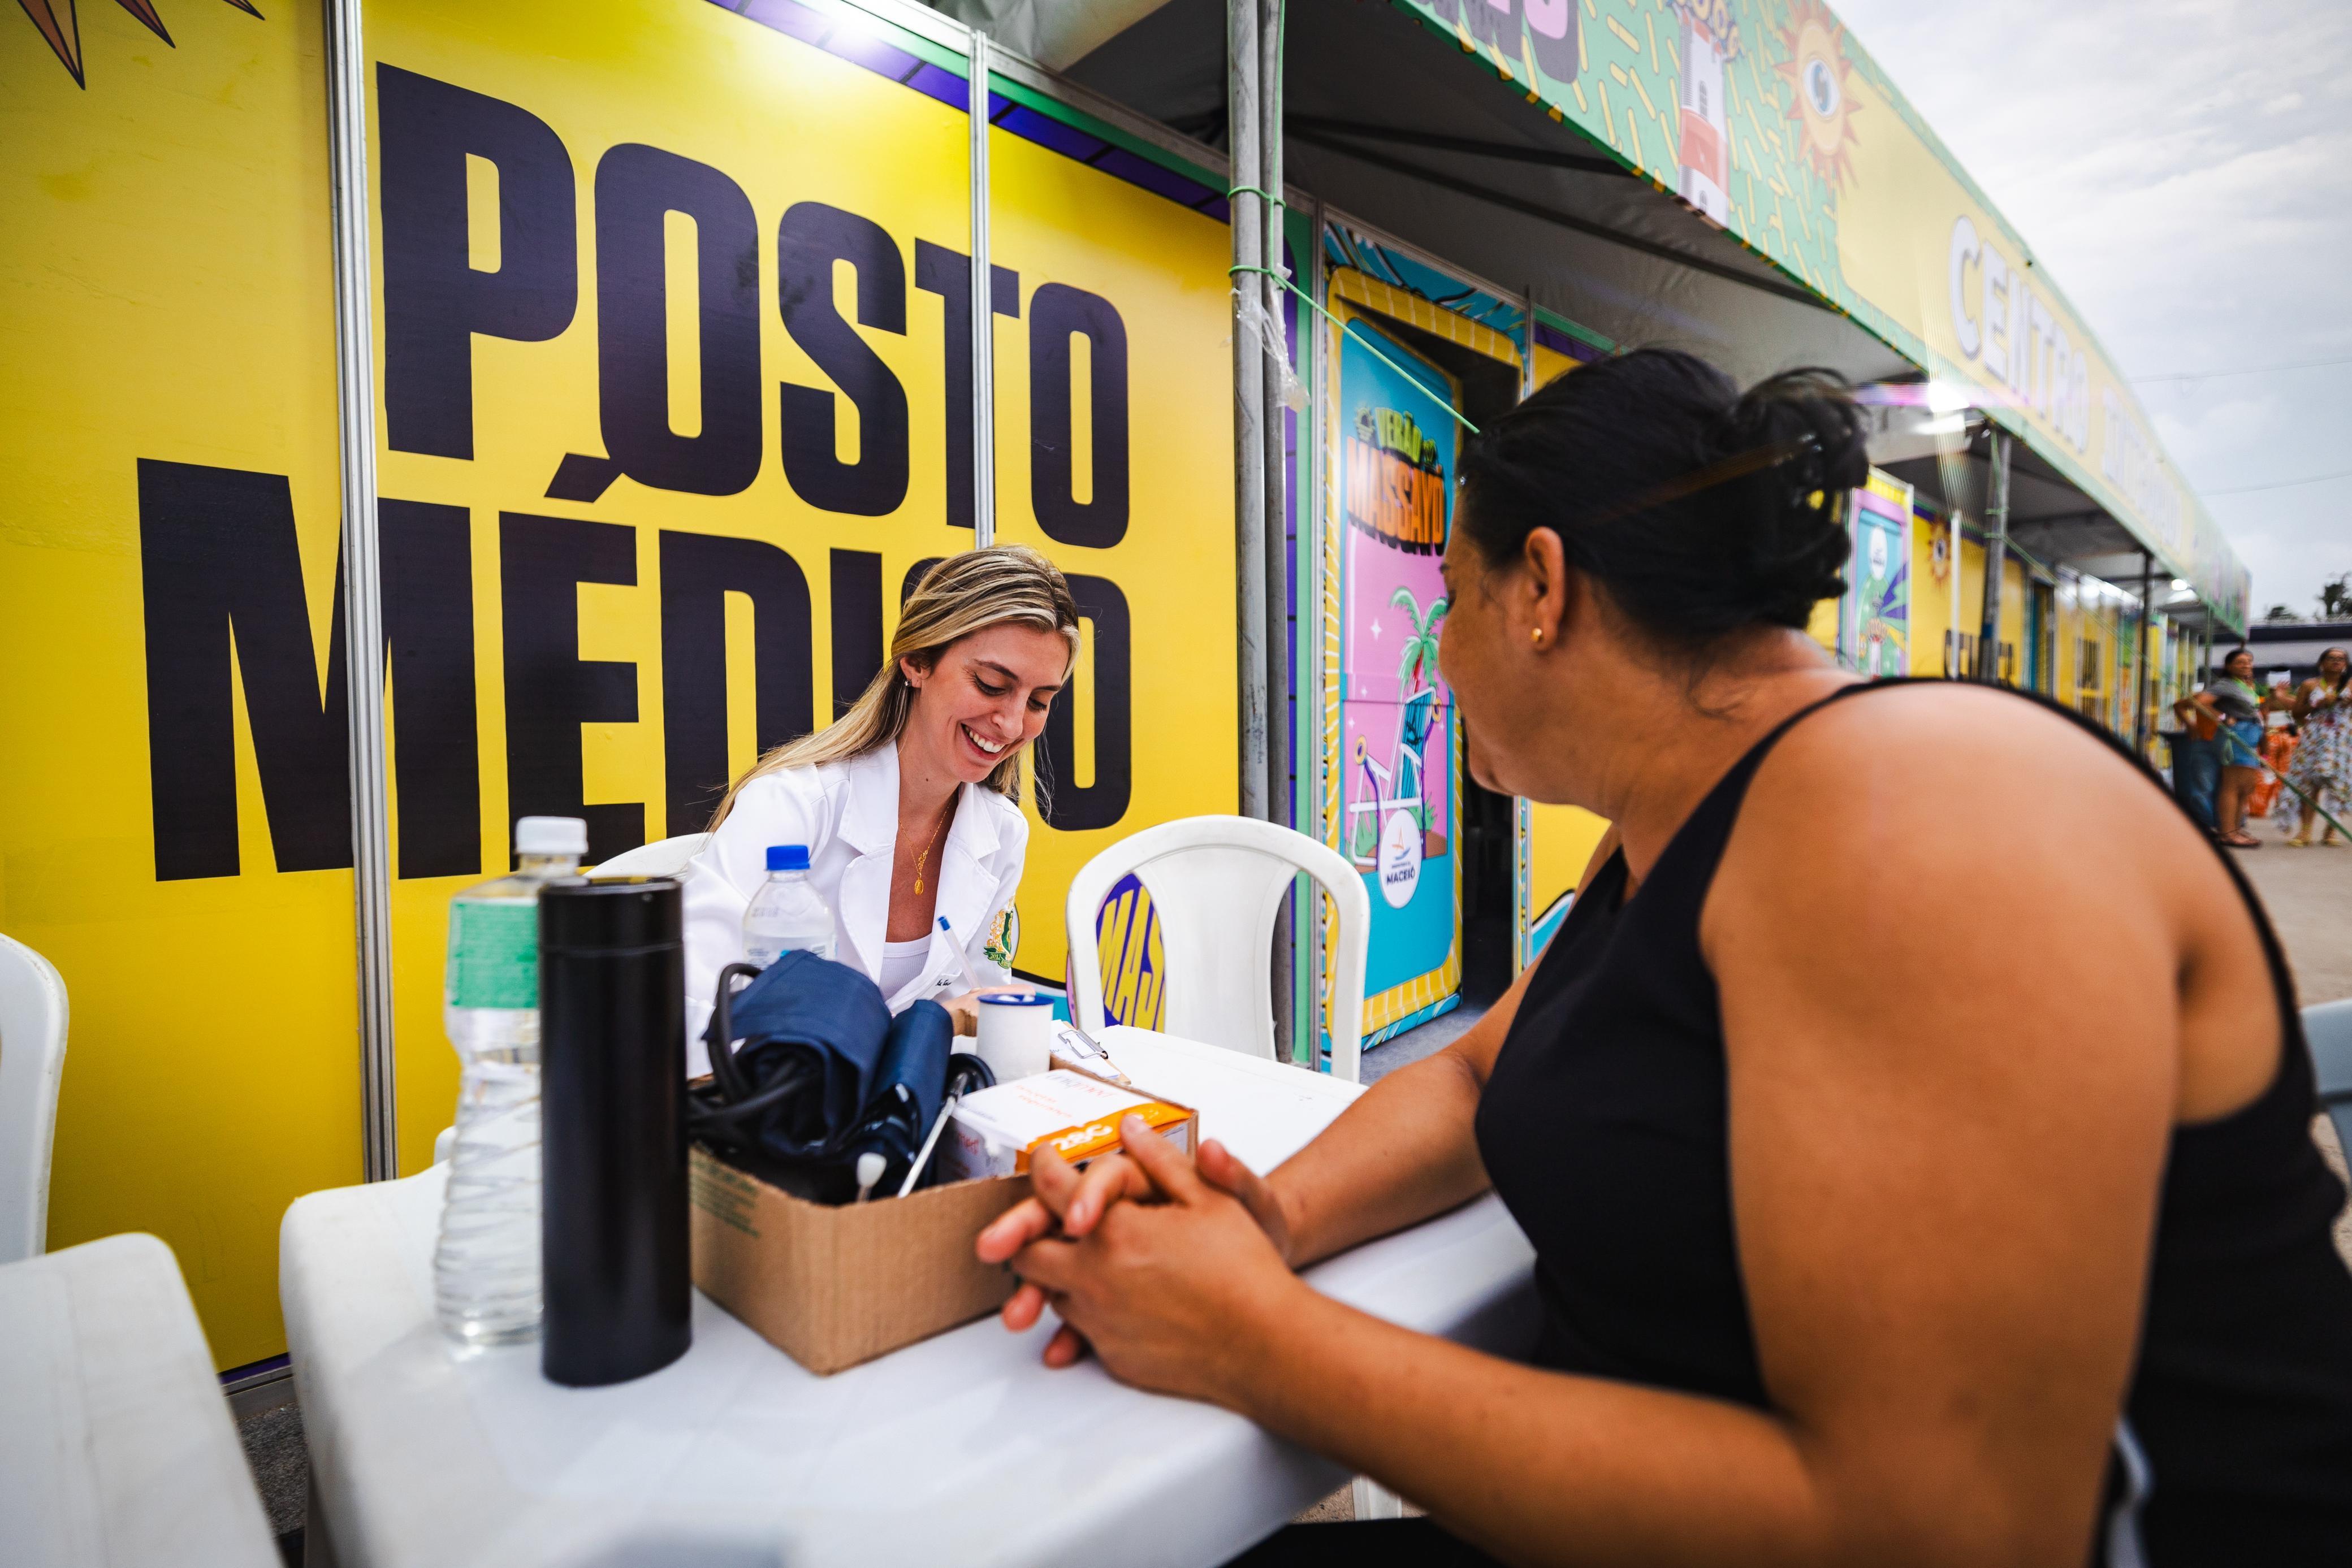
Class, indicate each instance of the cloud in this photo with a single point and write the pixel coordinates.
(2183, 170)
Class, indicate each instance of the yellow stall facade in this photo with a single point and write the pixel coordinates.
(630, 368)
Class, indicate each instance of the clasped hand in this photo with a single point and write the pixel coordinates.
(1160, 1266)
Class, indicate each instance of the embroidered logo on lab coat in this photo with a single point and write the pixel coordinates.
(1003, 939)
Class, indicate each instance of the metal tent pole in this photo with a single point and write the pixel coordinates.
(1242, 124)
(1273, 420)
(1953, 666)
(1313, 766)
(362, 600)
(2140, 660)
(1522, 813)
(1996, 561)
(983, 313)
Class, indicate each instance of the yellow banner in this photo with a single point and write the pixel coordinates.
(174, 812)
(673, 351)
(674, 345)
(1966, 297)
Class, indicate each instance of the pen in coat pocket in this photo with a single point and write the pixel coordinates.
(970, 975)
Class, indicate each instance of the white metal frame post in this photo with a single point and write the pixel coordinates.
(1241, 126)
(1956, 668)
(1313, 767)
(1996, 564)
(983, 313)
(1272, 409)
(362, 608)
(2140, 660)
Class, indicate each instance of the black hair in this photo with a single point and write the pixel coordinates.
(2233, 653)
(1700, 510)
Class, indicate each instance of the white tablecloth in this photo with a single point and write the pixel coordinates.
(961, 1450)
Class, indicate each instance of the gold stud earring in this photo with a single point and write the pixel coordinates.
(1537, 636)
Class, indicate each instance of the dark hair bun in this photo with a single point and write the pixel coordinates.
(1702, 511)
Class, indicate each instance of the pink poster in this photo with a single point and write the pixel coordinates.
(1395, 763)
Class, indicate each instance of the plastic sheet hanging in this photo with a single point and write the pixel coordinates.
(1273, 342)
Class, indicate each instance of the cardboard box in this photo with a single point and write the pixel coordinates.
(834, 1286)
(831, 1286)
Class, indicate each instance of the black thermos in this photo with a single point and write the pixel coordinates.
(612, 1226)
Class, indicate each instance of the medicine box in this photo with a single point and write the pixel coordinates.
(995, 1131)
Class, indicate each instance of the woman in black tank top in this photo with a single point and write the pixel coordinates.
(1910, 1121)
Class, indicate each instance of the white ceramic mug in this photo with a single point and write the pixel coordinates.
(1016, 1033)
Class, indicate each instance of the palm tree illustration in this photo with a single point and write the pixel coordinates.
(1417, 673)
(1417, 666)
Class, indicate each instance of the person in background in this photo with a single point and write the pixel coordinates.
(2196, 758)
(910, 801)
(2322, 765)
(2278, 745)
(1858, 1240)
(2233, 704)
(2278, 703)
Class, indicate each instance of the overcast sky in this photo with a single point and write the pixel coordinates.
(2183, 170)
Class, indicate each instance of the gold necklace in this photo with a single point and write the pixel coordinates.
(943, 828)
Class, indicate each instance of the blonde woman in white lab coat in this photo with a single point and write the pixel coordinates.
(910, 802)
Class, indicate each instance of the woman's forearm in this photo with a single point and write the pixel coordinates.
(1536, 1466)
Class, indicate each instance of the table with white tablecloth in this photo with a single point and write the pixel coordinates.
(961, 1449)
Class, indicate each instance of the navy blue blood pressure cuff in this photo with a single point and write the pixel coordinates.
(809, 1066)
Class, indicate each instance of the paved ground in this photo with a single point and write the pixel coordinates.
(270, 1422)
(2309, 896)
(1415, 1043)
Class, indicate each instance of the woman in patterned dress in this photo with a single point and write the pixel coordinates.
(2237, 703)
(2322, 767)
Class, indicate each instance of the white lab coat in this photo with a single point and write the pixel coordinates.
(847, 815)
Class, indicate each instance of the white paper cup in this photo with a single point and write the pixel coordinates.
(1017, 1034)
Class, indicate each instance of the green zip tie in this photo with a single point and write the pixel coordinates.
(1266, 196)
(1348, 329)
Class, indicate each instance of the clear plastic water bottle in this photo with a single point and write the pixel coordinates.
(486, 1270)
(787, 915)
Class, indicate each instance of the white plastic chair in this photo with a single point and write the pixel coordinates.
(1216, 884)
(2328, 1029)
(663, 857)
(32, 1058)
(115, 1444)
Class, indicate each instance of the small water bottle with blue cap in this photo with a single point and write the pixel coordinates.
(787, 915)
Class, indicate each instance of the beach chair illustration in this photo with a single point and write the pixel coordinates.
(1375, 790)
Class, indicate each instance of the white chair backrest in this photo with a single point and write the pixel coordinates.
(2328, 1029)
(32, 1057)
(663, 857)
(115, 1444)
(1216, 884)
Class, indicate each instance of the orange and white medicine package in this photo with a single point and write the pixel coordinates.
(994, 1131)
